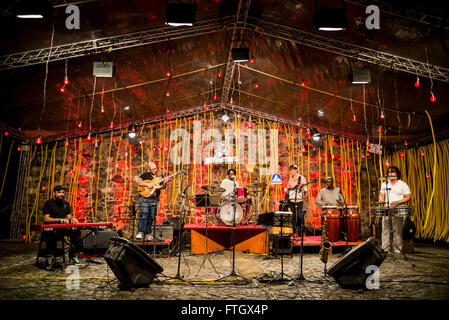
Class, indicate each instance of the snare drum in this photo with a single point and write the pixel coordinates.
(401, 211)
(241, 195)
(333, 223)
(227, 213)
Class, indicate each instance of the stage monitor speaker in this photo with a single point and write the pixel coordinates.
(350, 271)
(97, 242)
(130, 264)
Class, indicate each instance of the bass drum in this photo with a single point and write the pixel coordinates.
(227, 213)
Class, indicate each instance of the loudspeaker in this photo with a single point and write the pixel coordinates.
(97, 241)
(103, 69)
(165, 231)
(130, 264)
(350, 271)
(240, 54)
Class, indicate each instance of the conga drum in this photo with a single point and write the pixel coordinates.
(351, 222)
(333, 221)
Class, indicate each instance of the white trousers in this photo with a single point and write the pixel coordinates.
(397, 223)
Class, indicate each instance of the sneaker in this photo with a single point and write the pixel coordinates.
(149, 237)
(76, 261)
(139, 236)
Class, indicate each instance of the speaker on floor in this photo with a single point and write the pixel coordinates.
(132, 266)
(351, 270)
(97, 242)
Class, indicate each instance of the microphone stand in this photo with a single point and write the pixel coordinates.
(345, 222)
(300, 276)
(233, 272)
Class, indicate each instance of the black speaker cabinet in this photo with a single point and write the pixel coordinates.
(350, 271)
(97, 242)
(130, 264)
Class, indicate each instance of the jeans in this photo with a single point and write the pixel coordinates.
(52, 237)
(148, 209)
(297, 216)
(397, 223)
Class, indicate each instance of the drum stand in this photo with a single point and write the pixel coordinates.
(206, 255)
(233, 272)
(390, 224)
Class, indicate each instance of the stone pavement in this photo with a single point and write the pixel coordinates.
(424, 275)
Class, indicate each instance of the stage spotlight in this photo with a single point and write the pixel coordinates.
(240, 54)
(360, 76)
(180, 14)
(330, 19)
(132, 135)
(225, 117)
(34, 9)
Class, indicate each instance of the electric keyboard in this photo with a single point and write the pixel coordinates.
(51, 227)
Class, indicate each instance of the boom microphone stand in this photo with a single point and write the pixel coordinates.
(300, 276)
(345, 222)
(233, 272)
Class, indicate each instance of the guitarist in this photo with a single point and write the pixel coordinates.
(295, 196)
(148, 205)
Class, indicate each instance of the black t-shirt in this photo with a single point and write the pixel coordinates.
(57, 209)
(150, 176)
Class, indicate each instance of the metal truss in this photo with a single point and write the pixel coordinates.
(242, 15)
(347, 49)
(409, 14)
(72, 50)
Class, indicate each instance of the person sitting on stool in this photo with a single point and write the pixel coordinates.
(58, 210)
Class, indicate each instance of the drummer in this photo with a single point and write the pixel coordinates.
(330, 195)
(229, 184)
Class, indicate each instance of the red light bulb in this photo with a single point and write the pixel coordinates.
(219, 74)
(382, 115)
(167, 93)
(427, 175)
(214, 97)
(387, 163)
(432, 98)
(38, 140)
(422, 153)
(405, 143)
(168, 74)
(354, 119)
(66, 80)
(251, 60)
(363, 156)
(102, 109)
(402, 154)
(66, 142)
(367, 142)
(303, 83)
(80, 124)
(89, 137)
(231, 101)
(62, 89)
(256, 85)
(417, 83)
(111, 125)
(19, 148)
(168, 110)
(6, 133)
(204, 105)
(379, 129)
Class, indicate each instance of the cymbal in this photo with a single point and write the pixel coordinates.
(257, 185)
(213, 189)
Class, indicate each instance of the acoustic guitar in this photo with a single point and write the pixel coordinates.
(156, 184)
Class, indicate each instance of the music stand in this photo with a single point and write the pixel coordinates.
(206, 255)
(281, 217)
(233, 273)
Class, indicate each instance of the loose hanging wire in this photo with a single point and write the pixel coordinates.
(46, 77)
(68, 117)
(92, 104)
(364, 113)
(115, 106)
(428, 69)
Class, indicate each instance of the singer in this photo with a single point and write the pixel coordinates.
(330, 195)
(296, 192)
(394, 192)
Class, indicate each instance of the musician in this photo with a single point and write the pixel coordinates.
(58, 210)
(148, 205)
(395, 192)
(330, 195)
(229, 184)
(296, 195)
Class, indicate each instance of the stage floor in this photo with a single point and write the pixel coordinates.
(425, 275)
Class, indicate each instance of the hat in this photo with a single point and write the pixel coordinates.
(59, 187)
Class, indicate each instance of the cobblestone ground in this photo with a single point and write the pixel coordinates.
(424, 275)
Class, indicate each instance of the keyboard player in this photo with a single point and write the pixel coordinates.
(58, 210)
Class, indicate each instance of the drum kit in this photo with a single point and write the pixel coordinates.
(340, 219)
(222, 207)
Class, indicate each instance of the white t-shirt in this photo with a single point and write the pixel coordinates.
(397, 192)
(228, 185)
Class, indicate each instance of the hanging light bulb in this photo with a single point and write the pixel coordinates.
(417, 82)
(405, 143)
(219, 74)
(256, 85)
(62, 89)
(354, 119)
(38, 140)
(19, 148)
(66, 142)
(204, 104)
(168, 74)
(111, 125)
(422, 153)
(231, 101)
(432, 97)
(89, 137)
(66, 80)
(102, 109)
(6, 133)
(382, 115)
(167, 93)
(214, 97)
(80, 124)
(387, 163)
(402, 154)
(379, 129)
(427, 175)
(168, 110)
(303, 83)
(367, 142)
(251, 60)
